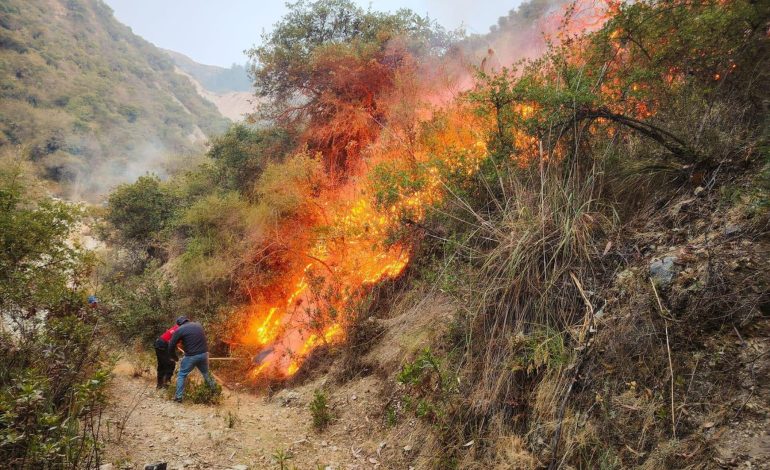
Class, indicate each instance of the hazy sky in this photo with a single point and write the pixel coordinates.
(217, 31)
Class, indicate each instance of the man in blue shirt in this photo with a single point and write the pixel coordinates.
(196, 354)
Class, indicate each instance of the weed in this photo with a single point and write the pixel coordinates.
(196, 391)
(319, 409)
(391, 416)
(282, 458)
(231, 419)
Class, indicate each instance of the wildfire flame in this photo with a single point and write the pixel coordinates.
(350, 248)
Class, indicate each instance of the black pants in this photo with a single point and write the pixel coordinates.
(165, 365)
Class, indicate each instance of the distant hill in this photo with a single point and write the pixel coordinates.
(230, 90)
(213, 78)
(88, 101)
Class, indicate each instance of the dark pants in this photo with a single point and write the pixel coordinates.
(165, 365)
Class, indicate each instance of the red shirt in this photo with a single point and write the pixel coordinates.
(169, 333)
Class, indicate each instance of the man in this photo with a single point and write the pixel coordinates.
(196, 354)
(165, 365)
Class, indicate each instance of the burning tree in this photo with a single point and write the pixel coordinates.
(327, 67)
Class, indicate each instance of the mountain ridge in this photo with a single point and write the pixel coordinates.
(90, 103)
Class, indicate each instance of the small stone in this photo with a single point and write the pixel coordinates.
(107, 466)
(732, 229)
(663, 269)
(708, 425)
(354, 397)
(407, 448)
(239, 467)
(699, 190)
(373, 460)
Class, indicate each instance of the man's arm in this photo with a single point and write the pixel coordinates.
(172, 345)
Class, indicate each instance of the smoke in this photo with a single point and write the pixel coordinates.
(96, 178)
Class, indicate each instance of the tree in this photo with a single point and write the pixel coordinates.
(328, 65)
(39, 267)
(242, 153)
(51, 388)
(139, 211)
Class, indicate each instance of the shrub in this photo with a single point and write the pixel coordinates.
(319, 409)
(54, 374)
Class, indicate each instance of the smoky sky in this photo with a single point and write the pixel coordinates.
(217, 32)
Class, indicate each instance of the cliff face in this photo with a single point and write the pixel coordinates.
(88, 101)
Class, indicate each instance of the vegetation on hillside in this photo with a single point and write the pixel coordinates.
(52, 383)
(89, 103)
(598, 217)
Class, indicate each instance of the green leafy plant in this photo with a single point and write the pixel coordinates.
(281, 458)
(319, 410)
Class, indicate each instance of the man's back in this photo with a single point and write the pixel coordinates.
(193, 339)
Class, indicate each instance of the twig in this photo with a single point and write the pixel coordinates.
(740, 410)
(689, 386)
(666, 319)
(588, 330)
(671, 370)
(124, 421)
(743, 343)
(661, 309)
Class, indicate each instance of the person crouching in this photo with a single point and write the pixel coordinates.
(196, 354)
(165, 365)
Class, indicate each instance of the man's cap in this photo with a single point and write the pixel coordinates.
(182, 320)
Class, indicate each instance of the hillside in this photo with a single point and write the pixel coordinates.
(230, 90)
(211, 77)
(436, 253)
(89, 102)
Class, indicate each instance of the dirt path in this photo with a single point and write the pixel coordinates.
(245, 431)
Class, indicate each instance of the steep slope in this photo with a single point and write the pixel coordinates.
(89, 102)
(211, 77)
(228, 89)
(233, 105)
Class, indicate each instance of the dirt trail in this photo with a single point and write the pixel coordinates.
(193, 436)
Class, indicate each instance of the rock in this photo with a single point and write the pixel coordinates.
(699, 190)
(731, 229)
(239, 467)
(407, 448)
(107, 466)
(156, 466)
(663, 269)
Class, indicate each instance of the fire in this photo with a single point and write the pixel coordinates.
(351, 249)
(350, 245)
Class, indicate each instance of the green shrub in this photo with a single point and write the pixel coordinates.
(320, 411)
(141, 306)
(54, 374)
(197, 391)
